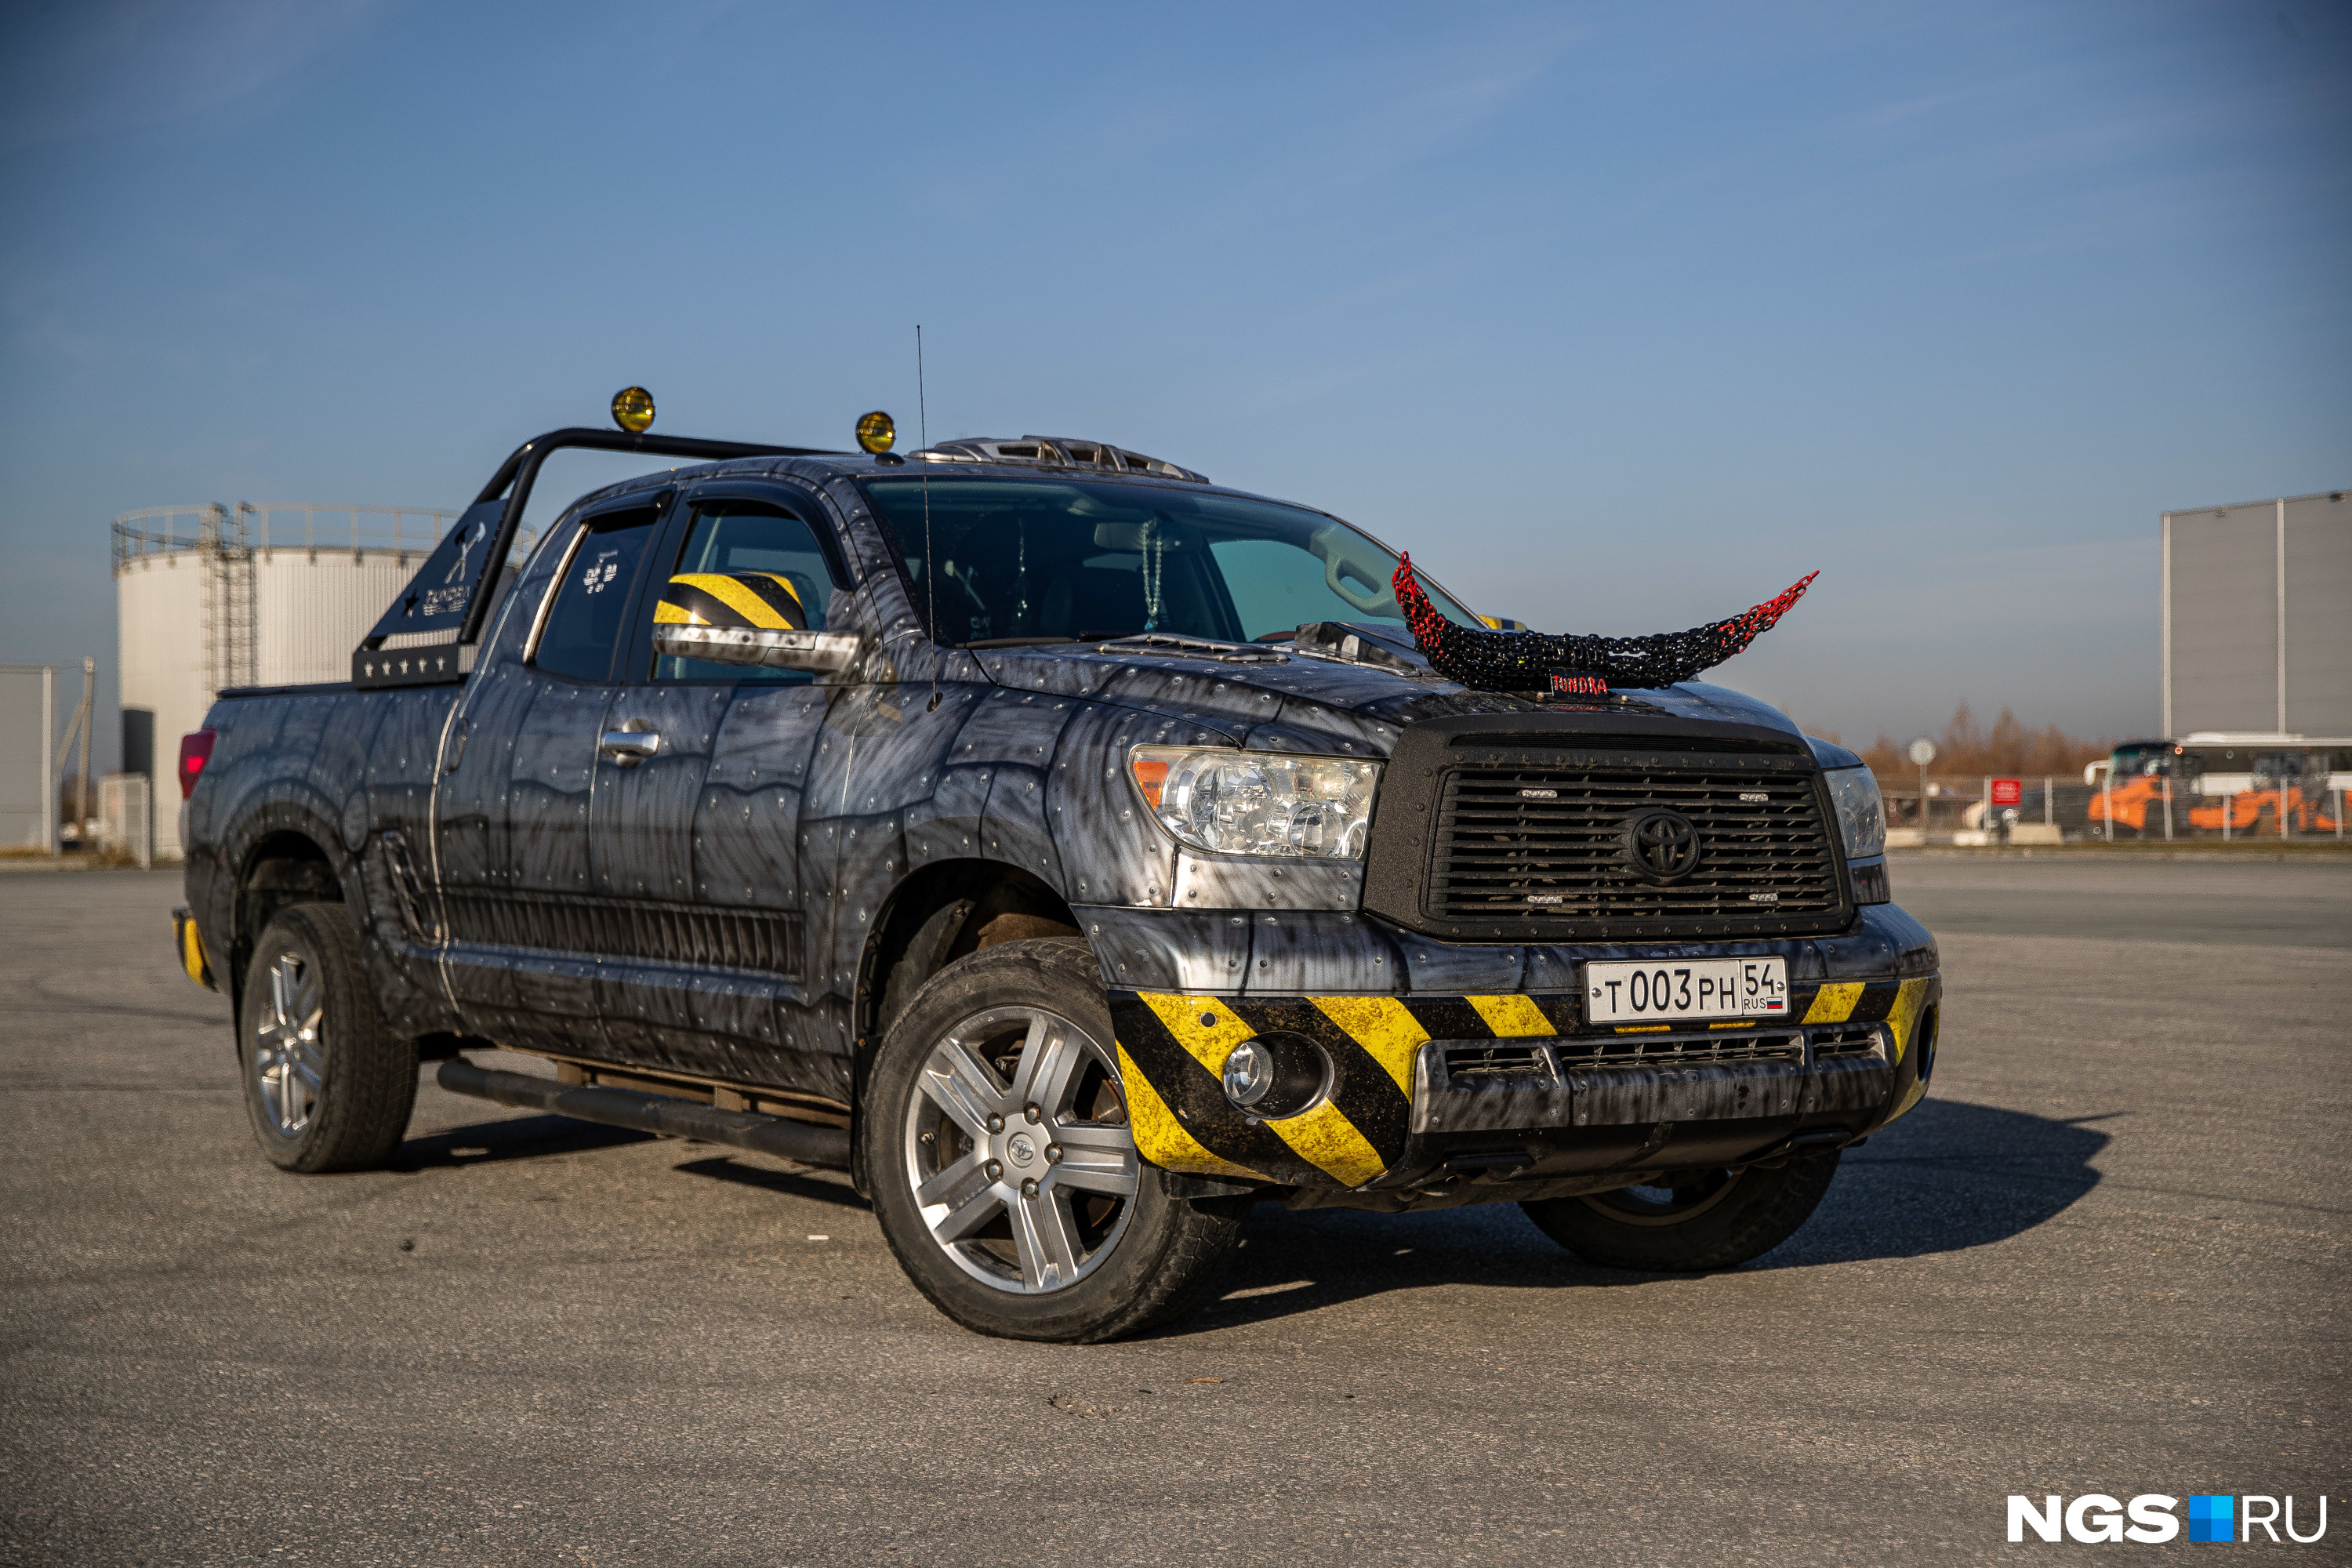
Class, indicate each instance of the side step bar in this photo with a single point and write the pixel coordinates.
(658, 1113)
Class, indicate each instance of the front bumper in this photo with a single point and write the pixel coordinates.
(1499, 1096)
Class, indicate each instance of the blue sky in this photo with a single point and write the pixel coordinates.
(1620, 317)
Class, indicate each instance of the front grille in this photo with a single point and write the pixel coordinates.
(1484, 1062)
(1681, 1050)
(1830, 1043)
(1544, 849)
(1495, 1060)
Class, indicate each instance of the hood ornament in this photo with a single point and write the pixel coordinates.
(1577, 665)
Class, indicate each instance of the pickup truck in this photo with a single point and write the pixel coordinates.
(1075, 851)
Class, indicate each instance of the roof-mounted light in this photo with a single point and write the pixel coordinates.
(876, 431)
(633, 409)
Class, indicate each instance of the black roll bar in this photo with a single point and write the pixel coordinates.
(470, 580)
(520, 471)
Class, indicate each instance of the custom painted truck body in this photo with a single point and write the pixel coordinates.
(724, 886)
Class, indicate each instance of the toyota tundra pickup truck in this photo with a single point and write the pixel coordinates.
(1075, 851)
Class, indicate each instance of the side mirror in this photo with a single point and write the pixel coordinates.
(820, 653)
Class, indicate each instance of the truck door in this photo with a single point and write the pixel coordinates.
(514, 819)
(697, 841)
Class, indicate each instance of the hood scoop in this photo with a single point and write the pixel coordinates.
(1339, 640)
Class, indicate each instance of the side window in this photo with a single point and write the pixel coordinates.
(592, 598)
(744, 563)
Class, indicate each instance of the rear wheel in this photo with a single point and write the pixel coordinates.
(1005, 1174)
(326, 1085)
(1706, 1219)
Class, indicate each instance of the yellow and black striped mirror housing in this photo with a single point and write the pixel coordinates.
(755, 601)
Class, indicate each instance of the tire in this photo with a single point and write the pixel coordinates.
(327, 1087)
(1719, 1220)
(1050, 1229)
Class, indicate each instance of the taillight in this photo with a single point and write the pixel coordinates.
(194, 751)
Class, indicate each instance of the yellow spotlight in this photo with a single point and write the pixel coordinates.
(633, 409)
(875, 431)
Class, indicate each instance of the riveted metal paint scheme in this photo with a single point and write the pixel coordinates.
(716, 910)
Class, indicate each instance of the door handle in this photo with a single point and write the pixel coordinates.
(629, 747)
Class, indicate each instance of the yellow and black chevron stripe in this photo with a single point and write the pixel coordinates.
(1172, 1050)
(190, 943)
(761, 601)
(1903, 1007)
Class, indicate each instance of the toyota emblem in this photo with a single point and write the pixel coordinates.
(1663, 844)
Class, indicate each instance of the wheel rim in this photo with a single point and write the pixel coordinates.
(288, 1065)
(1018, 1150)
(1661, 1205)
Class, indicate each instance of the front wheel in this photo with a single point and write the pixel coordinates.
(1005, 1174)
(327, 1087)
(1708, 1219)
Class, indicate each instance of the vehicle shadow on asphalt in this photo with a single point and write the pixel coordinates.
(518, 1138)
(723, 1168)
(540, 1137)
(1947, 1177)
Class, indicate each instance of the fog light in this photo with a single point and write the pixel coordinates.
(1249, 1074)
(1277, 1073)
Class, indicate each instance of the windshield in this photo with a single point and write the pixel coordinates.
(1057, 559)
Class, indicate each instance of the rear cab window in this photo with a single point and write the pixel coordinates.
(588, 609)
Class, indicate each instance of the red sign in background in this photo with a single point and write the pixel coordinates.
(2008, 792)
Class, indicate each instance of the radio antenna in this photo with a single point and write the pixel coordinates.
(930, 560)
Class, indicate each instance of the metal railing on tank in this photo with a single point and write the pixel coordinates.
(267, 528)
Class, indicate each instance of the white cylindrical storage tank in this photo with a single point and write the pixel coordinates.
(310, 613)
(211, 598)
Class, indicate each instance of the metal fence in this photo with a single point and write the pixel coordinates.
(2223, 807)
(2051, 811)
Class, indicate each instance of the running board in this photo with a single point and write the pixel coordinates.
(662, 1114)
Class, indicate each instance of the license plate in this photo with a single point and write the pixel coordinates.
(1668, 991)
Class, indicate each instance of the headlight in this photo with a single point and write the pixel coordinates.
(1862, 817)
(1230, 802)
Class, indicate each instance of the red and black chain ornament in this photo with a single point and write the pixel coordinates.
(1528, 661)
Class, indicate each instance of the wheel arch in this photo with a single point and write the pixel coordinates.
(934, 916)
(284, 864)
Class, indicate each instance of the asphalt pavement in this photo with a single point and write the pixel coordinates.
(2107, 1255)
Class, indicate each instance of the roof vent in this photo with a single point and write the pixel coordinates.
(1053, 452)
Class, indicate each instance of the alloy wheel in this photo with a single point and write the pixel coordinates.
(1018, 1150)
(289, 1063)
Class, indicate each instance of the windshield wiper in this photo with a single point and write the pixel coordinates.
(1201, 647)
(1039, 642)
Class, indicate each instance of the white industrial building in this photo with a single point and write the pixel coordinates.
(2258, 617)
(208, 597)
